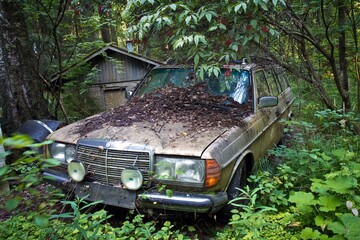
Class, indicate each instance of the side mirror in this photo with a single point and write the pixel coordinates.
(128, 93)
(268, 101)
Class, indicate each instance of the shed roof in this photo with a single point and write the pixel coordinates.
(124, 52)
(114, 49)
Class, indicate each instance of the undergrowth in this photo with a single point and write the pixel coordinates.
(313, 192)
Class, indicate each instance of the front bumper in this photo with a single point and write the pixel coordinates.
(150, 199)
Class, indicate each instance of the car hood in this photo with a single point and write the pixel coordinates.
(165, 138)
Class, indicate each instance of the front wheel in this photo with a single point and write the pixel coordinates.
(239, 180)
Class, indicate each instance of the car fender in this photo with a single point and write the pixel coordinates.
(245, 156)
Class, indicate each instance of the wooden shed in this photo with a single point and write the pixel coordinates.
(117, 70)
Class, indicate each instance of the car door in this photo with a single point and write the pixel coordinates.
(265, 85)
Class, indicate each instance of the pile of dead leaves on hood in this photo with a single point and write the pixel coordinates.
(193, 106)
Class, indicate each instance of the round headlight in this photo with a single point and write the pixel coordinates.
(76, 171)
(132, 179)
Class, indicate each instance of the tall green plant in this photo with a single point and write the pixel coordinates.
(25, 173)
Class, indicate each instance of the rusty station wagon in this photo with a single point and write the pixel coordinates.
(197, 136)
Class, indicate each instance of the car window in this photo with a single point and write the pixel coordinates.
(261, 84)
(283, 81)
(233, 83)
(159, 78)
(229, 82)
(272, 83)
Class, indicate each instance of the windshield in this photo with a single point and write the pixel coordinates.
(232, 83)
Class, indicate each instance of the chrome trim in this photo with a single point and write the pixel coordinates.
(44, 125)
(186, 202)
(180, 201)
(105, 159)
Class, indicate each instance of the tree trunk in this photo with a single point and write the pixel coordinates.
(343, 66)
(105, 28)
(21, 89)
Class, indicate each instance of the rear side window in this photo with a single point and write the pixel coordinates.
(272, 83)
(282, 81)
(261, 84)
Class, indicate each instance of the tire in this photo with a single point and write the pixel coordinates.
(239, 180)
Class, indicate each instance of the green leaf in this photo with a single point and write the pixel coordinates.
(257, 38)
(169, 193)
(320, 221)
(173, 6)
(235, 217)
(347, 226)
(3, 170)
(263, 5)
(337, 228)
(41, 221)
(339, 153)
(187, 20)
(342, 184)
(4, 154)
(196, 39)
(319, 186)
(202, 72)
(243, 6)
(222, 26)
(18, 141)
(196, 61)
(308, 233)
(302, 198)
(208, 17)
(12, 203)
(235, 47)
(328, 203)
(179, 43)
(50, 162)
(237, 7)
(253, 23)
(37, 145)
(213, 28)
(191, 229)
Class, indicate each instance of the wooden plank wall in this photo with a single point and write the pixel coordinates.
(131, 69)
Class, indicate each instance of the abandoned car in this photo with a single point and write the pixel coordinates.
(184, 142)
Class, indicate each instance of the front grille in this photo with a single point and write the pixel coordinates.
(104, 163)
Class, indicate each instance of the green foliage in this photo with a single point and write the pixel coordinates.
(75, 96)
(79, 224)
(328, 175)
(206, 32)
(249, 221)
(26, 170)
(85, 226)
(272, 188)
(315, 186)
